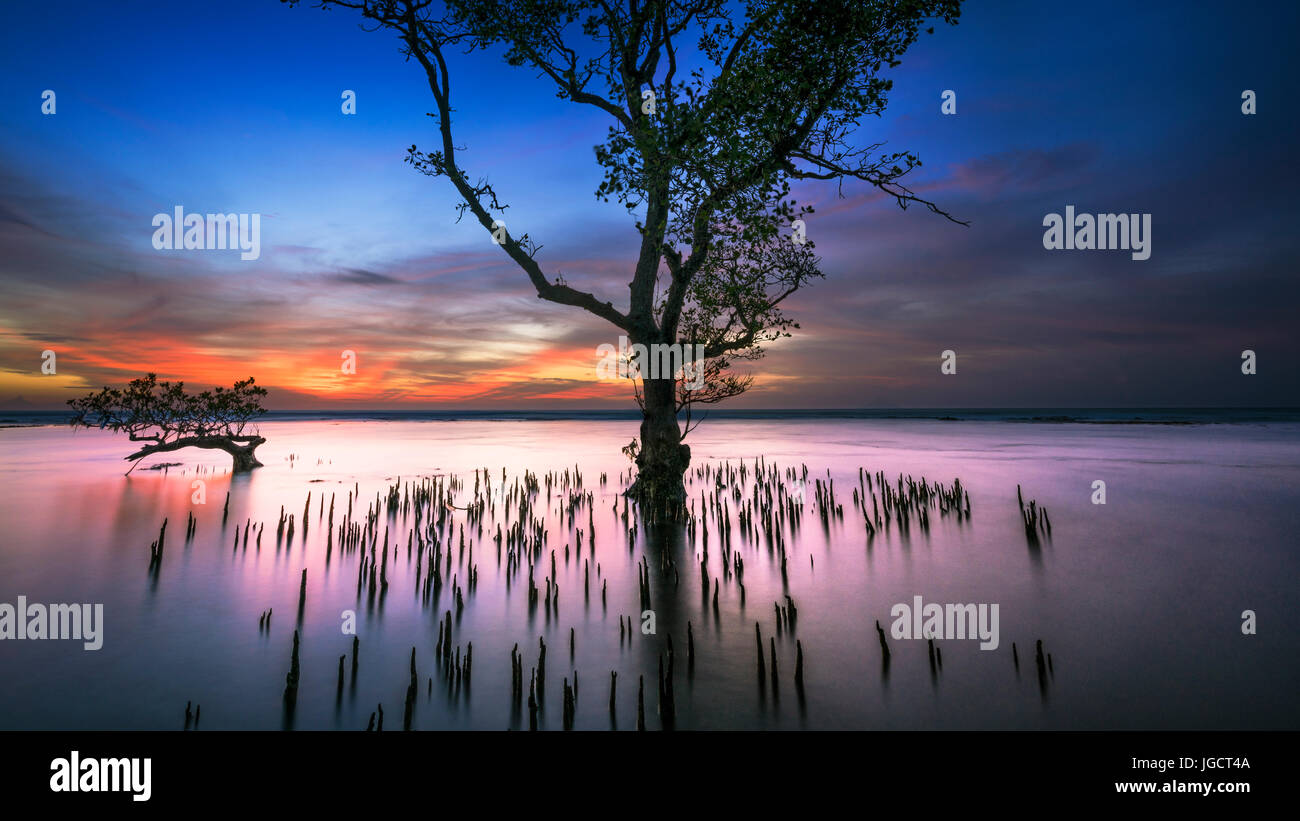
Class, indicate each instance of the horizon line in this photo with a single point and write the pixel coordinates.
(635, 412)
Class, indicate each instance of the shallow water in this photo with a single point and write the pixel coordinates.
(1139, 601)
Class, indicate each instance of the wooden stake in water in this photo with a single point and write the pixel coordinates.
(640, 703)
(798, 664)
(291, 680)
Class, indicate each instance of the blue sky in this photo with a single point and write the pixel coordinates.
(1111, 107)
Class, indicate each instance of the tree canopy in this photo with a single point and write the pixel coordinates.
(163, 415)
(715, 108)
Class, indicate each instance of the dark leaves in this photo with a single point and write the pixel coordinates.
(147, 409)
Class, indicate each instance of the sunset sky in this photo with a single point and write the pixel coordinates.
(235, 107)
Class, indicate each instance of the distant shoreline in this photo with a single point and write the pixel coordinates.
(1085, 416)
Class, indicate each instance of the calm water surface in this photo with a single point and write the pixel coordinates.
(1139, 601)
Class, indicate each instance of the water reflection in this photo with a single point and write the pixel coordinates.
(1130, 597)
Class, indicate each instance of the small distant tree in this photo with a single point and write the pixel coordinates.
(164, 416)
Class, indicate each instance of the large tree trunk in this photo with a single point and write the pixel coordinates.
(663, 459)
(243, 457)
(240, 449)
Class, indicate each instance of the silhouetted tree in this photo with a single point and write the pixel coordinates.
(166, 417)
(701, 153)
